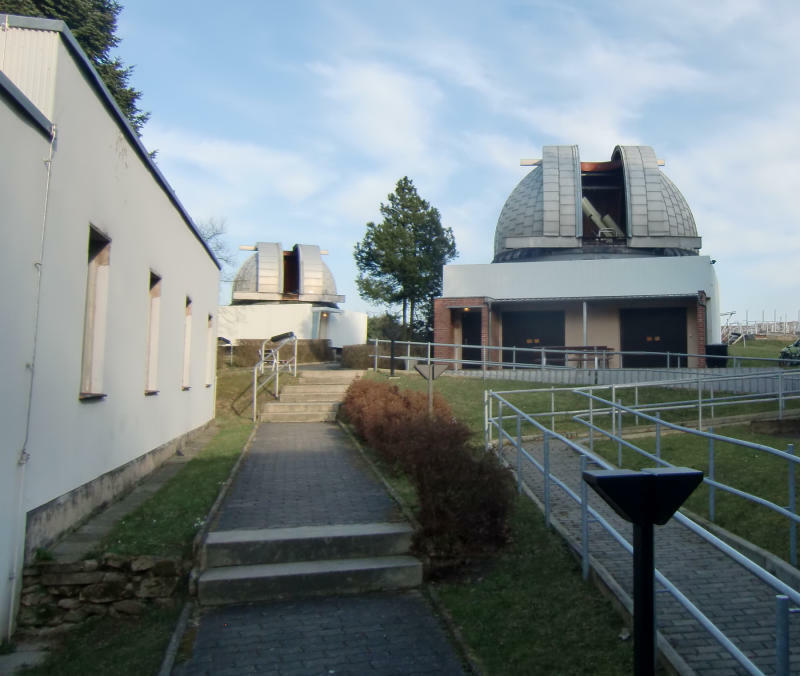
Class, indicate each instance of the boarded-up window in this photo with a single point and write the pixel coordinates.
(95, 314)
(153, 319)
(211, 352)
(187, 345)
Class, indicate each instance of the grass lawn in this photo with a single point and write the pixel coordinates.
(165, 525)
(113, 646)
(748, 470)
(526, 610)
(762, 348)
(530, 612)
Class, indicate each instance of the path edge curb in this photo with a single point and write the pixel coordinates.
(175, 640)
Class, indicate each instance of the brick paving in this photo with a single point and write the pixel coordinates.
(389, 633)
(309, 474)
(741, 605)
(304, 474)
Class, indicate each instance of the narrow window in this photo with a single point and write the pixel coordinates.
(187, 344)
(94, 321)
(211, 352)
(151, 353)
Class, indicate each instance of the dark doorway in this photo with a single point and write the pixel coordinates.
(471, 335)
(653, 330)
(533, 329)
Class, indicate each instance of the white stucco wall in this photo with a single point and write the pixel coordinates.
(608, 278)
(588, 279)
(97, 179)
(259, 321)
(23, 176)
(347, 328)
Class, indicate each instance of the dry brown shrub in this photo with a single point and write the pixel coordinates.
(464, 496)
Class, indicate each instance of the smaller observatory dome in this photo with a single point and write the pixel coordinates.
(568, 209)
(274, 275)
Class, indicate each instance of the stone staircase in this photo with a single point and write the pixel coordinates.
(315, 398)
(259, 565)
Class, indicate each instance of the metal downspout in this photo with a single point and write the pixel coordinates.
(24, 456)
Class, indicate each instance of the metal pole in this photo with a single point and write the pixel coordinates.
(644, 606)
(780, 395)
(712, 491)
(636, 403)
(584, 523)
(591, 422)
(391, 360)
(711, 386)
(519, 453)
(295, 358)
(255, 395)
(430, 393)
(552, 409)
(485, 420)
(793, 509)
(500, 428)
(699, 405)
(585, 324)
(376, 356)
(546, 448)
(491, 407)
(658, 434)
(514, 358)
(782, 635)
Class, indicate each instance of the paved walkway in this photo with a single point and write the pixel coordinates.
(736, 601)
(307, 474)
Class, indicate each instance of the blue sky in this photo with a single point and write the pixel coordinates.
(292, 121)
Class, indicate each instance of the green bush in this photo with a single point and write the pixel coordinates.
(357, 357)
(464, 497)
(362, 356)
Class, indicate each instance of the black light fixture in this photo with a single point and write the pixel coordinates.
(644, 498)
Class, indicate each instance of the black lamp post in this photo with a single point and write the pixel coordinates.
(644, 498)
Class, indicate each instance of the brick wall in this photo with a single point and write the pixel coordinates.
(446, 317)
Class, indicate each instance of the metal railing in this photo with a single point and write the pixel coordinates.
(507, 411)
(617, 409)
(549, 357)
(710, 396)
(271, 363)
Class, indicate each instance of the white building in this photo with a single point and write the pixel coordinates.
(108, 300)
(277, 291)
(601, 254)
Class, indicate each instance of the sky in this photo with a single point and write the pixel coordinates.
(293, 121)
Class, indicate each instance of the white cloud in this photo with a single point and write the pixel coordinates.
(380, 110)
(216, 175)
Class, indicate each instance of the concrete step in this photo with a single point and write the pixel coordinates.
(299, 417)
(313, 393)
(344, 376)
(315, 388)
(240, 584)
(306, 543)
(311, 398)
(299, 412)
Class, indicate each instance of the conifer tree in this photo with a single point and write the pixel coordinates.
(94, 25)
(400, 259)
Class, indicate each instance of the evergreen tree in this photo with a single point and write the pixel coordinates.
(400, 260)
(94, 25)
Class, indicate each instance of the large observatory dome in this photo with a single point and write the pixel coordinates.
(568, 209)
(274, 275)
